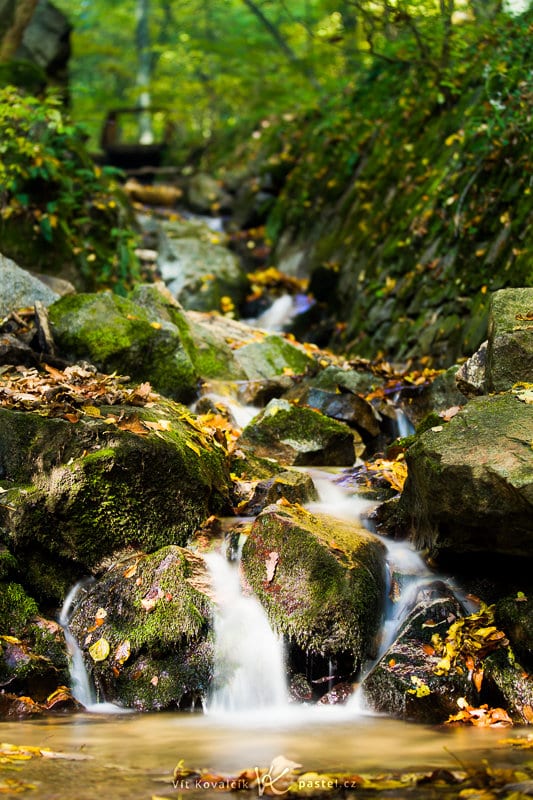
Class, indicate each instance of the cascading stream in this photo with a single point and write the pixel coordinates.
(80, 684)
(249, 657)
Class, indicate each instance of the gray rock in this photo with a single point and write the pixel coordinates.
(321, 581)
(198, 271)
(46, 41)
(296, 487)
(403, 683)
(510, 339)
(470, 482)
(20, 289)
(205, 194)
(156, 624)
(471, 376)
(297, 436)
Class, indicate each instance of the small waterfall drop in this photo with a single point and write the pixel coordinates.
(80, 684)
(249, 657)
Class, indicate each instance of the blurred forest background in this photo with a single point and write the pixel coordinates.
(383, 147)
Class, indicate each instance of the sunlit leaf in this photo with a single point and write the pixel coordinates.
(99, 651)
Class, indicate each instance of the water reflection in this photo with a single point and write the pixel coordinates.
(135, 756)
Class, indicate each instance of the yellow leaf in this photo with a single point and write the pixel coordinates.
(193, 447)
(91, 411)
(156, 325)
(99, 651)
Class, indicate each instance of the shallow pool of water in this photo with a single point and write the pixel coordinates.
(134, 756)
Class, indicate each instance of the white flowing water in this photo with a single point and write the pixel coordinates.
(249, 659)
(80, 684)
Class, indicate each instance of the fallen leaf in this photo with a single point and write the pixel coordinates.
(99, 651)
(271, 564)
(123, 652)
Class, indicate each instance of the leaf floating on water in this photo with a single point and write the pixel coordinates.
(99, 651)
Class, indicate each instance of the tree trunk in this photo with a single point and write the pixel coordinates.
(144, 70)
(11, 36)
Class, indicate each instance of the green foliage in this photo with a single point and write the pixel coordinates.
(418, 198)
(16, 608)
(53, 195)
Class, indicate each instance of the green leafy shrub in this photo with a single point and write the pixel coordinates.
(58, 210)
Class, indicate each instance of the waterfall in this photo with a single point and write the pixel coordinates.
(249, 670)
(80, 684)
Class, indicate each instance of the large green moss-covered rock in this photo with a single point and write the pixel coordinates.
(470, 482)
(300, 436)
(148, 343)
(83, 490)
(510, 339)
(144, 631)
(321, 581)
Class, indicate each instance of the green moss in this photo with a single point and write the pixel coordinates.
(165, 621)
(299, 435)
(116, 334)
(16, 607)
(328, 587)
(102, 488)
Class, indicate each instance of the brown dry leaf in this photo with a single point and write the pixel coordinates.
(149, 603)
(160, 425)
(134, 425)
(477, 677)
(271, 563)
(130, 572)
(449, 413)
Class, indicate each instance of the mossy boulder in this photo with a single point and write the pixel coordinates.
(117, 334)
(33, 658)
(347, 407)
(511, 687)
(225, 349)
(510, 343)
(300, 436)
(272, 356)
(403, 683)
(470, 482)
(83, 490)
(321, 582)
(514, 615)
(202, 275)
(144, 630)
(296, 487)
